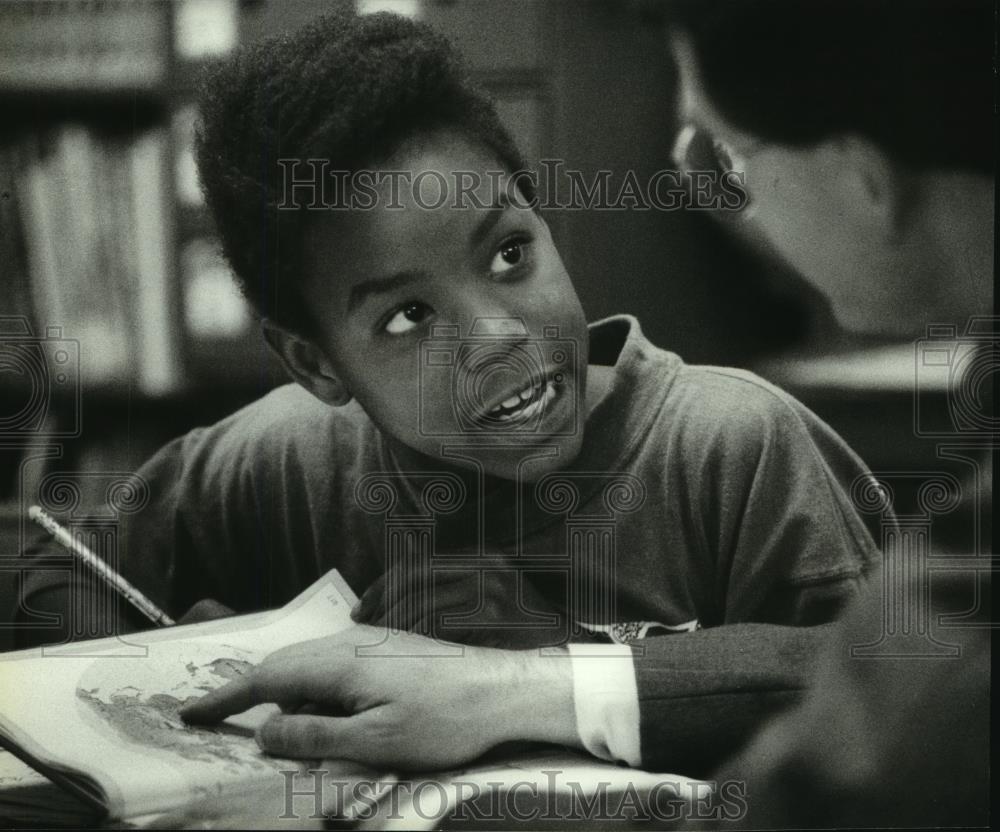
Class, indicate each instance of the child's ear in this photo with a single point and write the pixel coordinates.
(306, 363)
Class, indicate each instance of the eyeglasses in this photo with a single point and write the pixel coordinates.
(696, 149)
(698, 153)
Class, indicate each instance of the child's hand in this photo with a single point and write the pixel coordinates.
(484, 607)
(410, 702)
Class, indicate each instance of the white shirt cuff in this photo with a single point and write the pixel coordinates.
(606, 701)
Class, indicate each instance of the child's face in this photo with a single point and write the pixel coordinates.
(486, 282)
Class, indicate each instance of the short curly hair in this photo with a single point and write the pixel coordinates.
(348, 88)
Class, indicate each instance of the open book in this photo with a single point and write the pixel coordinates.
(100, 718)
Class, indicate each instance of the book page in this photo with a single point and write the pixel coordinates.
(109, 708)
(26, 796)
(550, 783)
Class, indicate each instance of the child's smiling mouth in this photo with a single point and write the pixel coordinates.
(524, 405)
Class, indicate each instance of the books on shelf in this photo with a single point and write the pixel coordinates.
(205, 28)
(65, 185)
(83, 46)
(95, 216)
(221, 334)
(159, 360)
(187, 181)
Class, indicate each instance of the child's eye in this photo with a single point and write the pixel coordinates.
(407, 317)
(510, 254)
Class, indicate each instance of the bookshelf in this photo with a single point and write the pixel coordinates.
(120, 326)
(105, 242)
(107, 235)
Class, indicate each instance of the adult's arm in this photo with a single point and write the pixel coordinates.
(883, 739)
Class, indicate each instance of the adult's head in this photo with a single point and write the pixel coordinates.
(866, 132)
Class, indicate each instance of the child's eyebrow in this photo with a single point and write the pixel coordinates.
(360, 292)
(486, 224)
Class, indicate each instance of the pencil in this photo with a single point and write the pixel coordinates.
(101, 569)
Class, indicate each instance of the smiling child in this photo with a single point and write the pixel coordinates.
(689, 524)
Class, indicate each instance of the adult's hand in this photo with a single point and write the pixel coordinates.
(485, 607)
(399, 700)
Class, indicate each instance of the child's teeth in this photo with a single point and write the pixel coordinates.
(525, 404)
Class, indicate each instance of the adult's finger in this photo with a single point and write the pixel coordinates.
(309, 736)
(271, 682)
(234, 698)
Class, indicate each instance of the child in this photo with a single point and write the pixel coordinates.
(443, 343)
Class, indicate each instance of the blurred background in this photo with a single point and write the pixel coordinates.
(121, 327)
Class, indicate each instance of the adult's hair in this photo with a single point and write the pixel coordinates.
(914, 76)
(346, 88)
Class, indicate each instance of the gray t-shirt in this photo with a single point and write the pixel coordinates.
(703, 499)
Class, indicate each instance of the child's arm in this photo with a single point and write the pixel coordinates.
(149, 542)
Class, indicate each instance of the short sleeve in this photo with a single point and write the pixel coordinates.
(776, 507)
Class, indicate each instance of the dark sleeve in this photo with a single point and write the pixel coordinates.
(173, 545)
(787, 552)
(881, 740)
